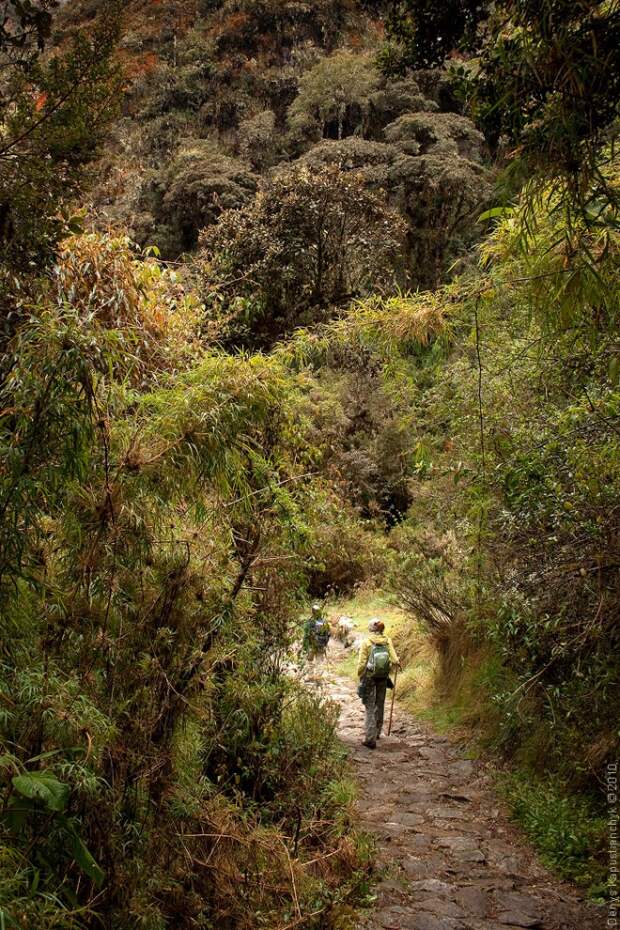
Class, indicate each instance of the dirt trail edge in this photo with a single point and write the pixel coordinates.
(452, 859)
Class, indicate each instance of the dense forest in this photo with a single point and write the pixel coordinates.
(297, 298)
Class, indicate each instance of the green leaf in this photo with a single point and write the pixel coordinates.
(9, 761)
(84, 857)
(18, 813)
(66, 750)
(495, 212)
(40, 786)
(75, 224)
(6, 920)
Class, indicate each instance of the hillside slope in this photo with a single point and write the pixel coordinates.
(321, 389)
(220, 93)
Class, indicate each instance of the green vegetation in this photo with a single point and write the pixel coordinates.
(260, 344)
(565, 830)
(334, 96)
(308, 243)
(508, 551)
(54, 112)
(545, 76)
(152, 558)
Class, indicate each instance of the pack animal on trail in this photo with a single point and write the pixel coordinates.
(345, 629)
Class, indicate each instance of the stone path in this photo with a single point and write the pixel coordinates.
(450, 858)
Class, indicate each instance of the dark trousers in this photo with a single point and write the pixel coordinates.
(374, 702)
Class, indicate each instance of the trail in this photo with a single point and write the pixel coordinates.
(450, 858)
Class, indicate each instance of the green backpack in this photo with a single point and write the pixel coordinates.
(378, 665)
(321, 631)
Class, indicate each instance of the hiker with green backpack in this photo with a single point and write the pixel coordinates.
(377, 658)
(316, 633)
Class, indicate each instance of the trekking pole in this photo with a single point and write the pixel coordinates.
(392, 705)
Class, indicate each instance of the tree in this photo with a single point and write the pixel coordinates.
(334, 96)
(425, 32)
(25, 27)
(190, 193)
(441, 195)
(53, 113)
(546, 75)
(310, 241)
(432, 175)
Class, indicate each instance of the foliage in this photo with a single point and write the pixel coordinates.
(425, 33)
(343, 553)
(396, 96)
(251, 25)
(528, 475)
(197, 185)
(309, 242)
(567, 260)
(389, 328)
(108, 282)
(256, 139)
(432, 175)
(168, 507)
(54, 113)
(564, 830)
(211, 104)
(25, 29)
(152, 569)
(545, 75)
(509, 548)
(333, 97)
(437, 134)
(440, 195)
(427, 580)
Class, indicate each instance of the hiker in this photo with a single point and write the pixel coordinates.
(377, 658)
(316, 633)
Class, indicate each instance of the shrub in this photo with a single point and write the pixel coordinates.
(437, 134)
(309, 242)
(108, 282)
(519, 455)
(53, 114)
(440, 196)
(566, 831)
(256, 139)
(438, 192)
(198, 185)
(392, 99)
(342, 551)
(370, 159)
(158, 760)
(426, 579)
(248, 26)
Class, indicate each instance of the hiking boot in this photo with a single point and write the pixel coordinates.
(369, 744)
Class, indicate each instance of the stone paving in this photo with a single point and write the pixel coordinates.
(449, 856)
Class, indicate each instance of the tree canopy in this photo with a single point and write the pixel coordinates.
(545, 75)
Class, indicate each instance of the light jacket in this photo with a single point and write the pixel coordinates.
(375, 639)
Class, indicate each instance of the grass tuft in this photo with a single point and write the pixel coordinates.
(568, 831)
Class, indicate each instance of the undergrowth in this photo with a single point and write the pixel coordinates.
(569, 832)
(568, 828)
